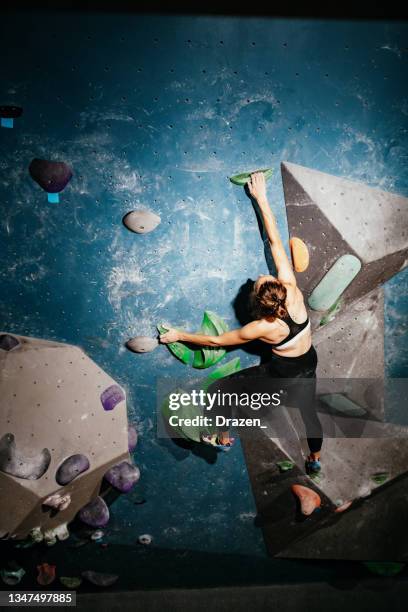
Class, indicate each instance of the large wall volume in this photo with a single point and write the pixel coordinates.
(156, 112)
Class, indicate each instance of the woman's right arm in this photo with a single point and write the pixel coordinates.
(257, 189)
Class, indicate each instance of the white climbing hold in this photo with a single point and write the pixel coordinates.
(141, 221)
(145, 539)
(97, 535)
(142, 344)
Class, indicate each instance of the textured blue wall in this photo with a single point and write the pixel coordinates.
(157, 112)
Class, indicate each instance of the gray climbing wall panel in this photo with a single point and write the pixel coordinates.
(52, 397)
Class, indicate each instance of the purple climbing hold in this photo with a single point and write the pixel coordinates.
(95, 514)
(99, 578)
(123, 476)
(112, 396)
(52, 176)
(132, 438)
(70, 468)
(8, 342)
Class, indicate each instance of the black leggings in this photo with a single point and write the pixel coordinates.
(302, 395)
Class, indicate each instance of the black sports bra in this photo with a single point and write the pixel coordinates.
(294, 329)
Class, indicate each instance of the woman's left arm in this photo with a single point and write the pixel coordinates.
(248, 332)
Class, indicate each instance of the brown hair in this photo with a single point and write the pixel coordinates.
(269, 301)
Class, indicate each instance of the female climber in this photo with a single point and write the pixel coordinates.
(281, 320)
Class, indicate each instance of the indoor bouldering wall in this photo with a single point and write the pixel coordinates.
(155, 113)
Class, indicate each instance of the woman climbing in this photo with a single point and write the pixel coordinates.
(281, 320)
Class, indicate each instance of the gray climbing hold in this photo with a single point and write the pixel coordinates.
(141, 221)
(19, 465)
(142, 344)
(99, 578)
(123, 476)
(72, 467)
(95, 513)
(334, 282)
(132, 438)
(341, 403)
(8, 342)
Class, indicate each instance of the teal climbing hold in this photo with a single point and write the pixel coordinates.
(334, 282)
(241, 179)
(330, 315)
(341, 403)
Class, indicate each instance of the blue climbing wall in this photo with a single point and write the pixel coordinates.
(157, 112)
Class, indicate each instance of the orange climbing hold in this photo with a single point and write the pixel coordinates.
(344, 506)
(300, 254)
(46, 574)
(309, 499)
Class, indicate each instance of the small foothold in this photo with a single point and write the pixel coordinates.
(46, 574)
(300, 254)
(141, 221)
(70, 468)
(36, 534)
(8, 342)
(50, 537)
(123, 476)
(112, 396)
(13, 574)
(132, 438)
(52, 176)
(100, 579)
(241, 179)
(57, 501)
(309, 499)
(145, 539)
(284, 466)
(95, 513)
(142, 344)
(380, 477)
(97, 535)
(70, 582)
(343, 506)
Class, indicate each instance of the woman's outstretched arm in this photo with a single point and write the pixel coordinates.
(248, 332)
(257, 189)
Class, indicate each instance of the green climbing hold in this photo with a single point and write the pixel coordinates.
(316, 477)
(384, 568)
(225, 370)
(285, 466)
(241, 179)
(179, 350)
(71, 582)
(334, 282)
(331, 313)
(341, 403)
(380, 477)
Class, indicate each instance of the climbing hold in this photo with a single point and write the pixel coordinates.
(95, 513)
(100, 579)
(61, 531)
(52, 176)
(142, 344)
(331, 313)
(122, 476)
(284, 466)
(70, 468)
(211, 325)
(241, 179)
(70, 582)
(132, 438)
(46, 574)
(225, 370)
(334, 282)
(97, 535)
(112, 396)
(341, 403)
(12, 574)
(380, 477)
(8, 114)
(309, 499)
(141, 221)
(145, 539)
(343, 506)
(21, 466)
(50, 538)
(179, 350)
(300, 254)
(36, 534)
(8, 342)
(384, 568)
(57, 501)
